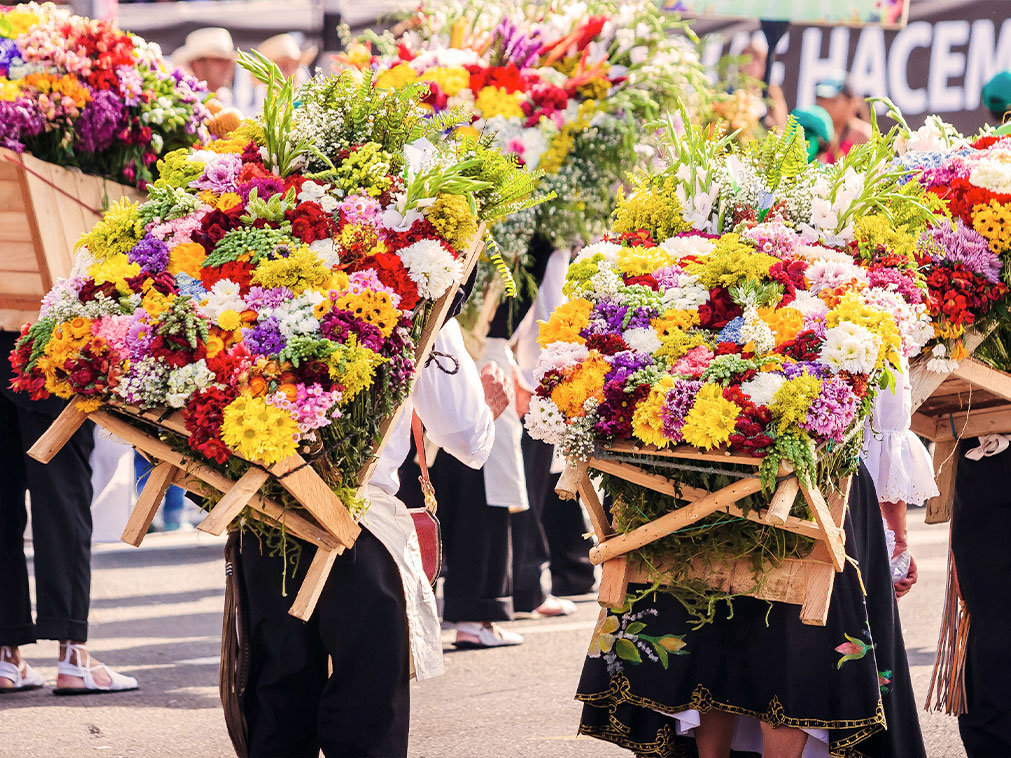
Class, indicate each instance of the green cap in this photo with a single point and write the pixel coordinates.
(997, 93)
(817, 124)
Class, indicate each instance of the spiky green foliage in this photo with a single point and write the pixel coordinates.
(782, 155)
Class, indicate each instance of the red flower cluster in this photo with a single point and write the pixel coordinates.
(547, 100)
(391, 272)
(107, 47)
(639, 238)
(176, 351)
(791, 276)
(240, 272)
(216, 225)
(959, 294)
(647, 280)
(203, 416)
(719, 311)
(21, 356)
(229, 364)
(962, 197)
(95, 370)
(309, 222)
(749, 435)
(805, 347)
(606, 344)
(508, 77)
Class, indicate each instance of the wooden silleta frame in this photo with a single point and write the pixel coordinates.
(322, 521)
(804, 581)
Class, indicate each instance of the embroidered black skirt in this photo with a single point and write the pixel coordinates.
(849, 677)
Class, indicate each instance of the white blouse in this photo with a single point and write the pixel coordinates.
(897, 461)
(456, 417)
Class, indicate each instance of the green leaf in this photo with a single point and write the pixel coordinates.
(627, 651)
(635, 627)
(661, 653)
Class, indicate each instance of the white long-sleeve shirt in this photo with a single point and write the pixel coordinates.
(456, 417)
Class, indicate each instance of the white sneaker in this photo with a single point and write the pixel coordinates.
(473, 635)
(23, 676)
(119, 682)
(555, 606)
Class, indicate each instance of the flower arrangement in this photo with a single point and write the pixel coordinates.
(742, 301)
(273, 285)
(966, 253)
(566, 88)
(81, 93)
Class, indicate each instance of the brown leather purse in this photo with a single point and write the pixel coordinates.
(426, 523)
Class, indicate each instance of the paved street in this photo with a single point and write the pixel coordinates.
(157, 615)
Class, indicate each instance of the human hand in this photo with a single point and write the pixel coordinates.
(522, 400)
(494, 383)
(904, 585)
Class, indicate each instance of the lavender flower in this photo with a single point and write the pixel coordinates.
(100, 122)
(260, 298)
(806, 368)
(151, 254)
(606, 318)
(9, 55)
(515, 45)
(265, 338)
(962, 245)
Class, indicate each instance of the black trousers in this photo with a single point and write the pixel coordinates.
(61, 527)
(980, 524)
(531, 581)
(292, 707)
(477, 545)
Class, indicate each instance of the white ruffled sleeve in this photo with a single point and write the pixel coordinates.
(897, 461)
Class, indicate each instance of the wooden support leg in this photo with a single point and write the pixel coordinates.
(312, 586)
(613, 583)
(833, 536)
(59, 433)
(601, 526)
(316, 497)
(814, 610)
(568, 483)
(945, 469)
(782, 502)
(234, 500)
(157, 484)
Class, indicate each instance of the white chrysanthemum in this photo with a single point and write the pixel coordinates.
(314, 192)
(762, 389)
(83, 260)
(850, 347)
(809, 305)
(327, 251)
(545, 421)
(605, 285)
(688, 296)
(184, 381)
(558, 356)
(431, 266)
(645, 340)
(822, 253)
(831, 274)
(296, 316)
(691, 244)
(992, 175)
(223, 296)
(939, 361)
(609, 250)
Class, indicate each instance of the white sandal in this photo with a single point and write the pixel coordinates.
(119, 682)
(21, 674)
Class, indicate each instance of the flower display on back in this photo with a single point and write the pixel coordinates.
(81, 93)
(568, 88)
(274, 284)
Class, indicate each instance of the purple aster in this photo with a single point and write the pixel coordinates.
(616, 412)
(19, 120)
(832, 412)
(679, 401)
(338, 324)
(625, 363)
(606, 317)
(806, 368)
(151, 254)
(139, 336)
(265, 338)
(266, 188)
(963, 245)
(100, 122)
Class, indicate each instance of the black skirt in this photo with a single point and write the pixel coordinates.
(849, 677)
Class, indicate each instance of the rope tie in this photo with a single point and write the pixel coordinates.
(58, 188)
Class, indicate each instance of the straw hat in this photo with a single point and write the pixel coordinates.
(209, 42)
(282, 46)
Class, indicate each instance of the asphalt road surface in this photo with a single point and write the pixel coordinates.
(156, 614)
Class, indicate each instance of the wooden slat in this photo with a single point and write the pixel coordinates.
(317, 498)
(814, 610)
(974, 423)
(234, 500)
(570, 480)
(313, 584)
(11, 198)
(598, 517)
(18, 256)
(945, 468)
(148, 502)
(23, 284)
(833, 536)
(924, 425)
(614, 578)
(14, 228)
(671, 522)
(59, 433)
(980, 375)
(782, 501)
(925, 382)
(683, 451)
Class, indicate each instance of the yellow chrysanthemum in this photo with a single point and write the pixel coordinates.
(118, 231)
(396, 77)
(993, 221)
(20, 21)
(115, 269)
(9, 90)
(636, 261)
(257, 431)
(565, 324)
(647, 423)
(229, 320)
(496, 101)
(187, 258)
(881, 323)
(451, 79)
(674, 321)
(786, 322)
(586, 381)
(711, 420)
(155, 303)
(65, 344)
(790, 403)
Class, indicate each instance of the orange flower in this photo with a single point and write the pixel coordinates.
(187, 258)
(257, 386)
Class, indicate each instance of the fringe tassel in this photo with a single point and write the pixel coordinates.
(949, 666)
